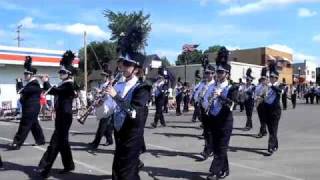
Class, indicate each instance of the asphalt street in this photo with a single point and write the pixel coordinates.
(173, 151)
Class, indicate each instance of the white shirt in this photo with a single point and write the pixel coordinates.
(209, 88)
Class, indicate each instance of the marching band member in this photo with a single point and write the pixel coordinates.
(30, 101)
(284, 95)
(131, 98)
(64, 93)
(260, 94)
(220, 116)
(312, 92)
(104, 114)
(201, 97)
(186, 97)
(249, 89)
(272, 108)
(241, 95)
(195, 99)
(294, 92)
(317, 94)
(166, 96)
(179, 96)
(160, 88)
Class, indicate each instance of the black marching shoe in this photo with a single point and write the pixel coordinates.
(204, 155)
(153, 125)
(40, 144)
(223, 174)
(1, 164)
(92, 146)
(261, 134)
(66, 170)
(212, 177)
(108, 144)
(42, 172)
(141, 164)
(14, 146)
(271, 150)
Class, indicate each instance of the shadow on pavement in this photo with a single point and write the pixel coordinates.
(29, 171)
(259, 151)
(81, 146)
(158, 173)
(180, 135)
(245, 135)
(82, 133)
(185, 127)
(157, 153)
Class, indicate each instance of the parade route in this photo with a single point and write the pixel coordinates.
(173, 151)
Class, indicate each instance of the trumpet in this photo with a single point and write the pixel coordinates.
(101, 95)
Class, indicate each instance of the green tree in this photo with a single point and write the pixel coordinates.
(193, 57)
(213, 49)
(165, 61)
(120, 23)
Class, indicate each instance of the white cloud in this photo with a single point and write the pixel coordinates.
(260, 5)
(316, 38)
(297, 56)
(75, 29)
(281, 47)
(304, 12)
(2, 33)
(232, 48)
(27, 22)
(60, 42)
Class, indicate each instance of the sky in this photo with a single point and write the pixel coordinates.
(289, 25)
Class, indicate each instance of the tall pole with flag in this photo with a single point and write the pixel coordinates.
(186, 49)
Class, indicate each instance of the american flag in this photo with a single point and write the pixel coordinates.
(189, 47)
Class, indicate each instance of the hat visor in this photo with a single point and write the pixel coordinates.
(27, 72)
(274, 75)
(222, 69)
(209, 71)
(63, 71)
(104, 74)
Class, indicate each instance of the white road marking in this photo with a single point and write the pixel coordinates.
(237, 165)
(45, 128)
(90, 167)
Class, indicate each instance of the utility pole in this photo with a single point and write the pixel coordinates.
(19, 39)
(85, 62)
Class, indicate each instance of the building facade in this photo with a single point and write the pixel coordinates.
(306, 71)
(238, 70)
(11, 68)
(260, 56)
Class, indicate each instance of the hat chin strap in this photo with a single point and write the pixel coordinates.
(131, 74)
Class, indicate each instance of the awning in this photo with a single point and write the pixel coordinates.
(283, 59)
(270, 58)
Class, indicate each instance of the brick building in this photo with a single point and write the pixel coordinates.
(259, 56)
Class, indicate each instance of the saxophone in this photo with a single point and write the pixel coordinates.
(83, 117)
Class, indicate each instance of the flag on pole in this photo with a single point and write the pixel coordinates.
(189, 47)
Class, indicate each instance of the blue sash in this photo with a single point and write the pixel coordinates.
(120, 114)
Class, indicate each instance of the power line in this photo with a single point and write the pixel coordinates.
(19, 39)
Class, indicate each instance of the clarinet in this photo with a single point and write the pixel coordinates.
(82, 119)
